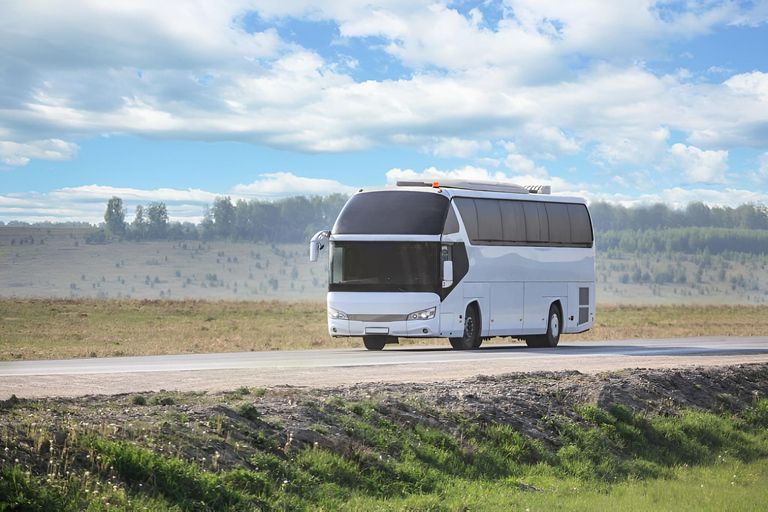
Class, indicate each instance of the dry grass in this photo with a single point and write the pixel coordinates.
(63, 328)
(621, 322)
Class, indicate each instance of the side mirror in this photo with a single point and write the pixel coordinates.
(317, 244)
(447, 274)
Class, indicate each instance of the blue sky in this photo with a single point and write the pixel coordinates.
(631, 102)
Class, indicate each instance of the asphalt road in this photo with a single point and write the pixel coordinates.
(320, 368)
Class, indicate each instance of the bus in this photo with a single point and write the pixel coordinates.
(463, 260)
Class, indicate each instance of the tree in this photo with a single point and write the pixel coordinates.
(223, 216)
(139, 224)
(115, 216)
(157, 215)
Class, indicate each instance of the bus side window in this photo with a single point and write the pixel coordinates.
(512, 221)
(488, 220)
(532, 229)
(581, 228)
(469, 216)
(559, 223)
(451, 222)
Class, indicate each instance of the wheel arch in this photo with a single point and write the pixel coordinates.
(559, 304)
(476, 304)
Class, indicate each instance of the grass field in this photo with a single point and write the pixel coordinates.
(75, 328)
(57, 262)
(394, 452)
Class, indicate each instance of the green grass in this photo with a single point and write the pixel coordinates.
(602, 459)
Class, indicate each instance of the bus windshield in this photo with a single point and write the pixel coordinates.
(393, 212)
(384, 267)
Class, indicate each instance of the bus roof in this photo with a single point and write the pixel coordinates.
(484, 186)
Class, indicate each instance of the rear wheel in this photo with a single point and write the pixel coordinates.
(471, 338)
(377, 342)
(552, 337)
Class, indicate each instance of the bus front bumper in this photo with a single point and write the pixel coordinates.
(383, 314)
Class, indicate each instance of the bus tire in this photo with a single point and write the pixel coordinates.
(471, 338)
(374, 342)
(554, 328)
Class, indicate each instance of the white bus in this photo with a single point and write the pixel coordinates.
(462, 260)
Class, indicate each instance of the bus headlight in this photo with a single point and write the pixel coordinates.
(424, 314)
(336, 314)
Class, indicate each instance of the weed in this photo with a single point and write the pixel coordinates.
(161, 400)
(138, 399)
(248, 411)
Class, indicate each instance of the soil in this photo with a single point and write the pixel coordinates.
(226, 429)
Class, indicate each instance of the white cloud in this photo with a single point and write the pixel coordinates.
(447, 147)
(697, 165)
(762, 161)
(191, 71)
(749, 84)
(523, 165)
(19, 154)
(283, 184)
(677, 197)
(548, 142)
(88, 203)
(637, 148)
(559, 186)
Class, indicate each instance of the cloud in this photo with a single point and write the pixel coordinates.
(468, 172)
(501, 73)
(88, 203)
(447, 147)
(283, 184)
(523, 165)
(19, 154)
(699, 166)
(762, 171)
(675, 197)
(548, 142)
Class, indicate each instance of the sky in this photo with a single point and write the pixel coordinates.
(180, 101)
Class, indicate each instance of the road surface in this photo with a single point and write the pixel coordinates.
(321, 368)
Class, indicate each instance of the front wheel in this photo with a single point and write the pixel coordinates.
(376, 342)
(471, 338)
(552, 337)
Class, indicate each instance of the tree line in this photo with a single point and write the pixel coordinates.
(692, 240)
(607, 217)
(657, 228)
(293, 219)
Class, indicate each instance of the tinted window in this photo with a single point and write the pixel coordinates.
(581, 227)
(488, 220)
(543, 222)
(395, 212)
(469, 216)
(451, 222)
(536, 225)
(559, 223)
(385, 266)
(512, 221)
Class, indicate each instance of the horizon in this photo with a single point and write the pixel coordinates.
(634, 103)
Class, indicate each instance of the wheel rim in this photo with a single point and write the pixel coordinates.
(554, 326)
(469, 329)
